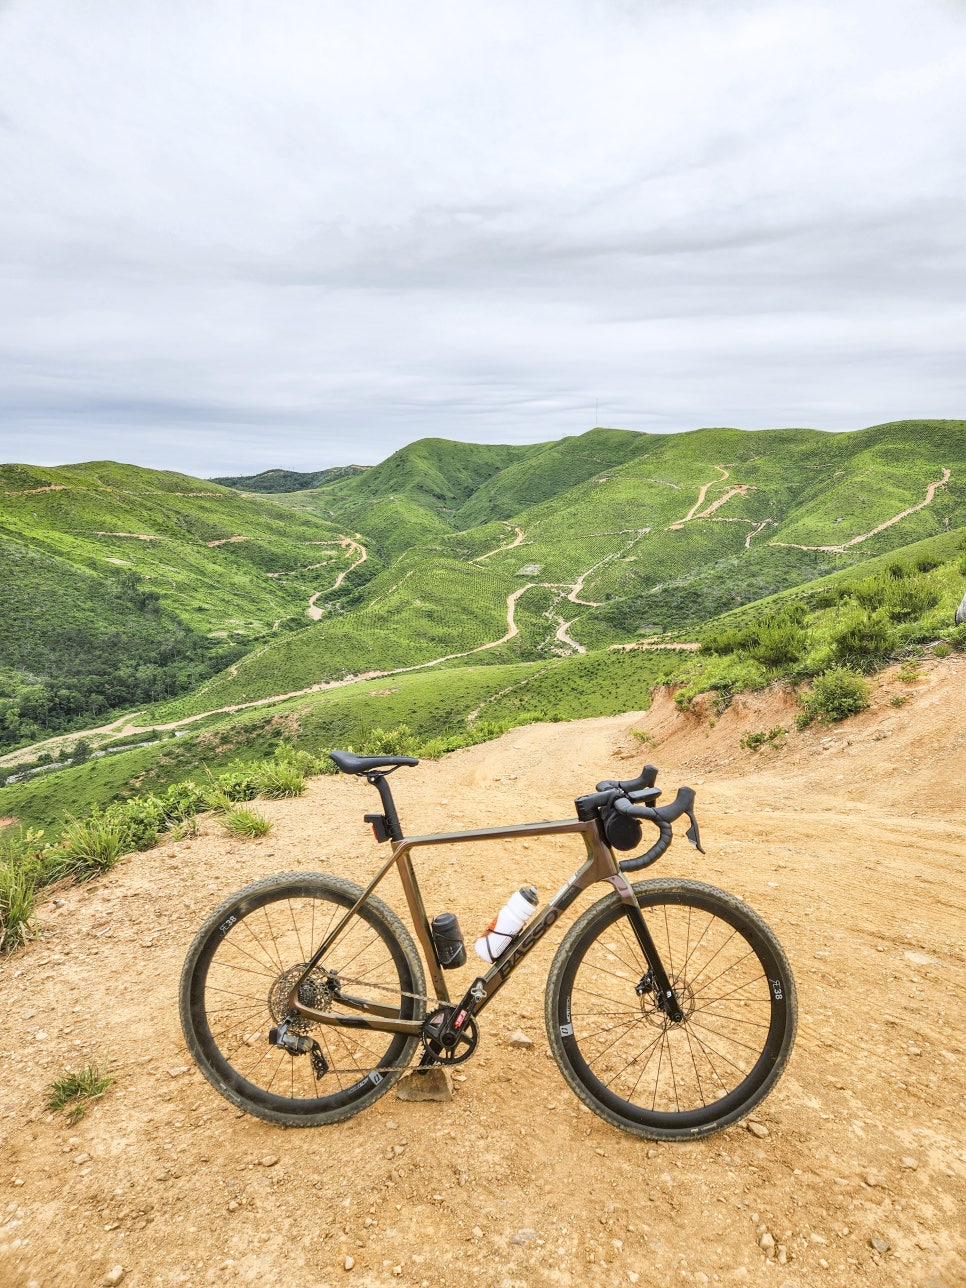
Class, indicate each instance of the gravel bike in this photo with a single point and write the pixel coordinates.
(670, 1006)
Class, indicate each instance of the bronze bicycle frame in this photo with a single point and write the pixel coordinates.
(599, 866)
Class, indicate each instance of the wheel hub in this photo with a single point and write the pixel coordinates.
(653, 1008)
(314, 991)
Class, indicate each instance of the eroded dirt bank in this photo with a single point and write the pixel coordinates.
(850, 841)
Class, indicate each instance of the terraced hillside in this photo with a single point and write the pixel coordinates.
(686, 527)
(124, 585)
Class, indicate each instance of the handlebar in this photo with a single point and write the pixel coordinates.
(662, 816)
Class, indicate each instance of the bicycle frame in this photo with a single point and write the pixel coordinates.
(599, 866)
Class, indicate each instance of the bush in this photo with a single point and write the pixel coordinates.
(389, 742)
(141, 819)
(942, 649)
(752, 741)
(182, 801)
(238, 784)
(240, 821)
(834, 696)
(863, 641)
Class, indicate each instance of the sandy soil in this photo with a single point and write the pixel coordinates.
(849, 840)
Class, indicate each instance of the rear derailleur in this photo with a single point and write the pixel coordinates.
(299, 1044)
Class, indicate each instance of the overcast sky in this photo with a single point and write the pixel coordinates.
(300, 233)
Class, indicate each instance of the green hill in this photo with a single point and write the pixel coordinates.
(578, 546)
(123, 585)
(288, 480)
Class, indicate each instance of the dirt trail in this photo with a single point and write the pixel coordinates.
(846, 840)
(693, 512)
(354, 548)
(518, 540)
(931, 491)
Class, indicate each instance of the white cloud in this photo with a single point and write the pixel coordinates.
(246, 234)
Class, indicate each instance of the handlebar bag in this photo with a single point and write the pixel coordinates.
(622, 833)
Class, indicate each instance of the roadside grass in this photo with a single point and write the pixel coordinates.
(74, 1092)
(240, 820)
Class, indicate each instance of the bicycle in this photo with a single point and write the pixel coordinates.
(303, 997)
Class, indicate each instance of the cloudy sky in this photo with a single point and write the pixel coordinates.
(251, 233)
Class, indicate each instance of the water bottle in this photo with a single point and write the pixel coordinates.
(448, 939)
(507, 923)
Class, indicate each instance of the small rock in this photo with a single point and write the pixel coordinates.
(269, 1160)
(872, 1179)
(114, 1275)
(519, 1040)
(910, 1164)
(397, 1271)
(880, 1245)
(433, 1083)
(757, 1129)
(477, 1232)
(349, 1263)
(920, 959)
(767, 1242)
(178, 1070)
(525, 1236)
(233, 1206)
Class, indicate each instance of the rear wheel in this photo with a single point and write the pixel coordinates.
(624, 1056)
(239, 974)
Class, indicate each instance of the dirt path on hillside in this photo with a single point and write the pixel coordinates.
(693, 512)
(354, 548)
(931, 491)
(846, 840)
(518, 540)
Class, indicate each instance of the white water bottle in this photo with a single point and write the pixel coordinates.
(507, 923)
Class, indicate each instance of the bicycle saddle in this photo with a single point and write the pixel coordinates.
(351, 764)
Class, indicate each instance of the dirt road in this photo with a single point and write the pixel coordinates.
(850, 841)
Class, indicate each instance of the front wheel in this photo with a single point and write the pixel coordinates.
(619, 1050)
(238, 977)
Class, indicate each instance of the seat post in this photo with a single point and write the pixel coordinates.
(388, 804)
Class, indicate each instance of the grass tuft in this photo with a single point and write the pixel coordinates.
(18, 898)
(91, 846)
(242, 821)
(72, 1091)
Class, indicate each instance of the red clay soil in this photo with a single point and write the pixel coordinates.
(848, 839)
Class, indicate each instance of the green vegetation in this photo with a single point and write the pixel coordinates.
(774, 737)
(240, 820)
(835, 695)
(72, 1092)
(288, 480)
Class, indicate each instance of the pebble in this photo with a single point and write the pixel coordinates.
(349, 1263)
(873, 1179)
(910, 1164)
(477, 1232)
(114, 1275)
(757, 1129)
(269, 1160)
(880, 1245)
(178, 1070)
(433, 1084)
(519, 1040)
(767, 1242)
(525, 1236)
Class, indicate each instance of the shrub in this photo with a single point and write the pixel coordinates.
(238, 784)
(956, 638)
(899, 699)
(389, 742)
(240, 821)
(90, 847)
(835, 695)
(863, 641)
(72, 1091)
(182, 801)
(942, 649)
(141, 819)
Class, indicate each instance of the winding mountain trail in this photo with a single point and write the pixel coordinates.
(517, 541)
(353, 547)
(931, 491)
(693, 512)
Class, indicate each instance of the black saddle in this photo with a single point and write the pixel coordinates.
(352, 764)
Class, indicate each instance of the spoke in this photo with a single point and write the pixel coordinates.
(697, 1075)
(657, 1080)
(716, 953)
(634, 1058)
(235, 946)
(731, 991)
(705, 1046)
(609, 1028)
(718, 1034)
(298, 936)
(712, 918)
(271, 931)
(233, 966)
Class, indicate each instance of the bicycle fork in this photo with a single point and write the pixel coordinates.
(656, 979)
